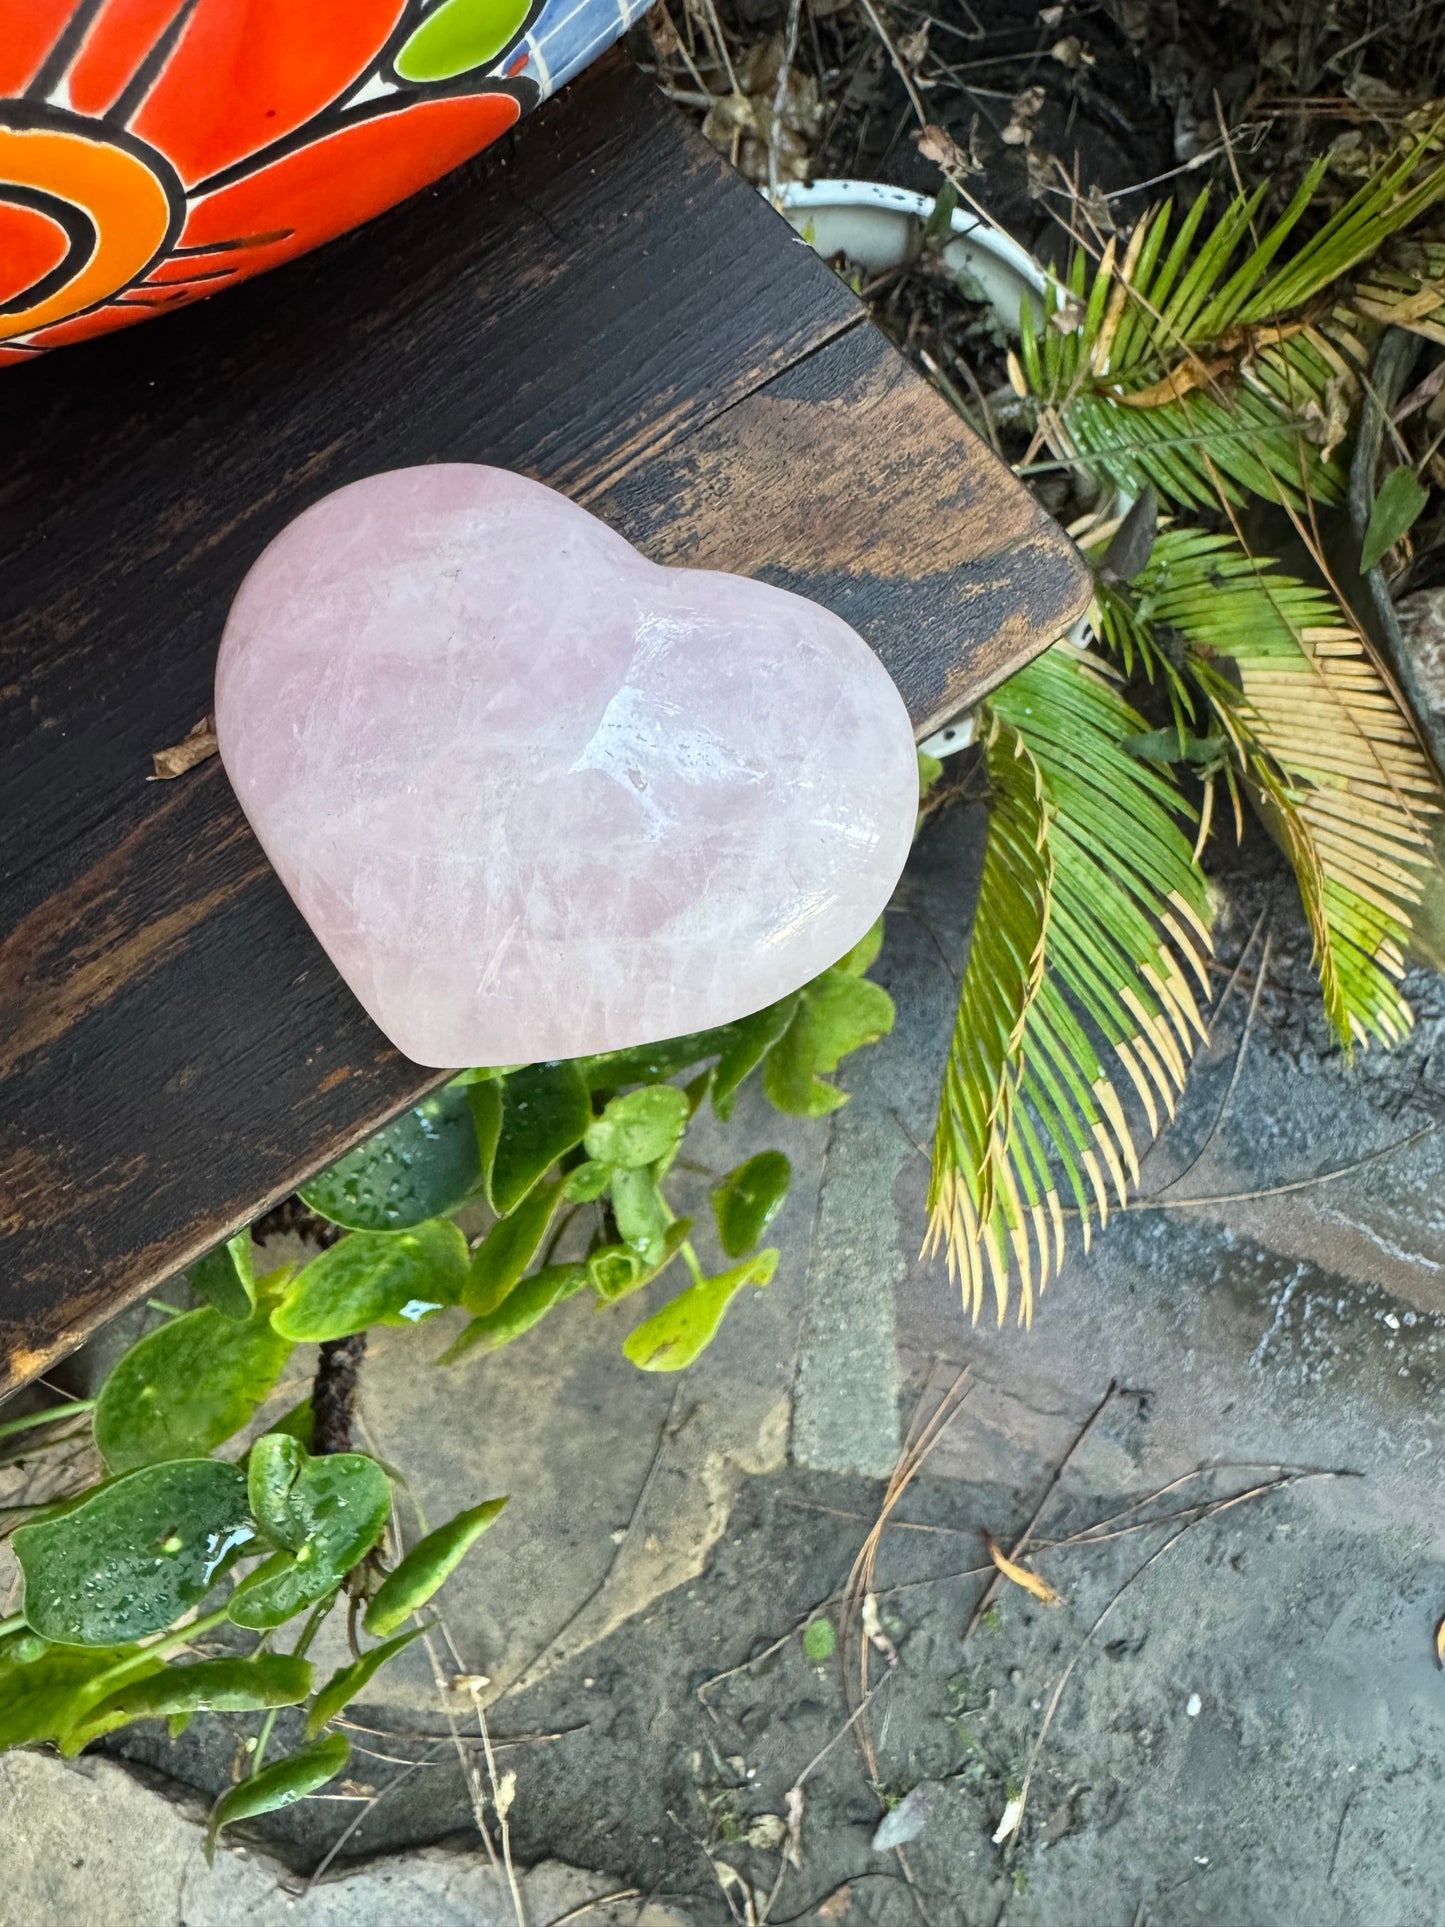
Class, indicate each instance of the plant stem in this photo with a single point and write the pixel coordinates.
(333, 1392)
(16, 1623)
(690, 1260)
(298, 1651)
(51, 1413)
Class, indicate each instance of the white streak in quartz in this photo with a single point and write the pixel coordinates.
(537, 796)
(643, 734)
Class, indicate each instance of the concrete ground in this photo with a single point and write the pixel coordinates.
(1253, 1735)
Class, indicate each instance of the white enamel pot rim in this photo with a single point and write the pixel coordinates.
(878, 227)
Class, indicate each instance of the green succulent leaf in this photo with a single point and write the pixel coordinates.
(752, 1039)
(279, 1785)
(427, 1567)
(348, 1681)
(205, 1686)
(545, 1113)
(615, 1270)
(748, 1199)
(643, 1127)
(135, 1554)
(837, 1013)
(422, 1165)
(375, 1278)
(672, 1338)
(509, 1247)
(325, 1514)
(588, 1181)
(226, 1277)
(47, 1692)
(522, 1308)
(186, 1387)
(642, 1213)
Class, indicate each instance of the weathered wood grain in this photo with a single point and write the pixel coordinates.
(600, 304)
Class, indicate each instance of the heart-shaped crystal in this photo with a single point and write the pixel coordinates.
(538, 796)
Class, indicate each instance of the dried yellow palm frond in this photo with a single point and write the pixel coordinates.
(1320, 736)
(1092, 914)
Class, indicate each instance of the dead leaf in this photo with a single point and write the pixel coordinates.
(1050, 16)
(1425, 391)
(665, 38)
(1100, 214)
(1328, 426)
(729, 1878)
(1068, 315)
(1440, 1645)
(913, 47)
(837, 1903)
(793, 1807)
(937, 145)
(873, 1631)
(1020, 1575)
(1176, 384)
(1012, 1814)
(766, 1831)
(1019, 131)
(1071, 52)
(198, 745)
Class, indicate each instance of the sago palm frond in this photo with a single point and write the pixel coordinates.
(1091, 912)
(1405, 288)
(1322, 741)
(1206, 360)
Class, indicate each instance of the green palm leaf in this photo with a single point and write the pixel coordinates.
(1090, 909)
(1213, 360)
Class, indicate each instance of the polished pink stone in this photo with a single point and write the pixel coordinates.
(538, 796)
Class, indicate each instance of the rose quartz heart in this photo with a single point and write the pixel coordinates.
(538, 796)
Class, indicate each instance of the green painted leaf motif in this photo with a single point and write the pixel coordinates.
(545, 1113)
(226, 1277)
(640, 1128)
(427, 1567)
(753, 1038)
(839, 1013)
(47, 1691)
(748, 1199)
(280, 1785)
(421, 1165)
(1398, 504)
(686, 1325)
(508, 1248)
(209, 1686)
(375, 1278)
(186, 1387)
(641, 1212)
(459, 36)
(135, 1555)
(347, 1681)
(518, 1311)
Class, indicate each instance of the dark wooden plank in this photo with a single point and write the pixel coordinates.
(602, 305)
(847, 479)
